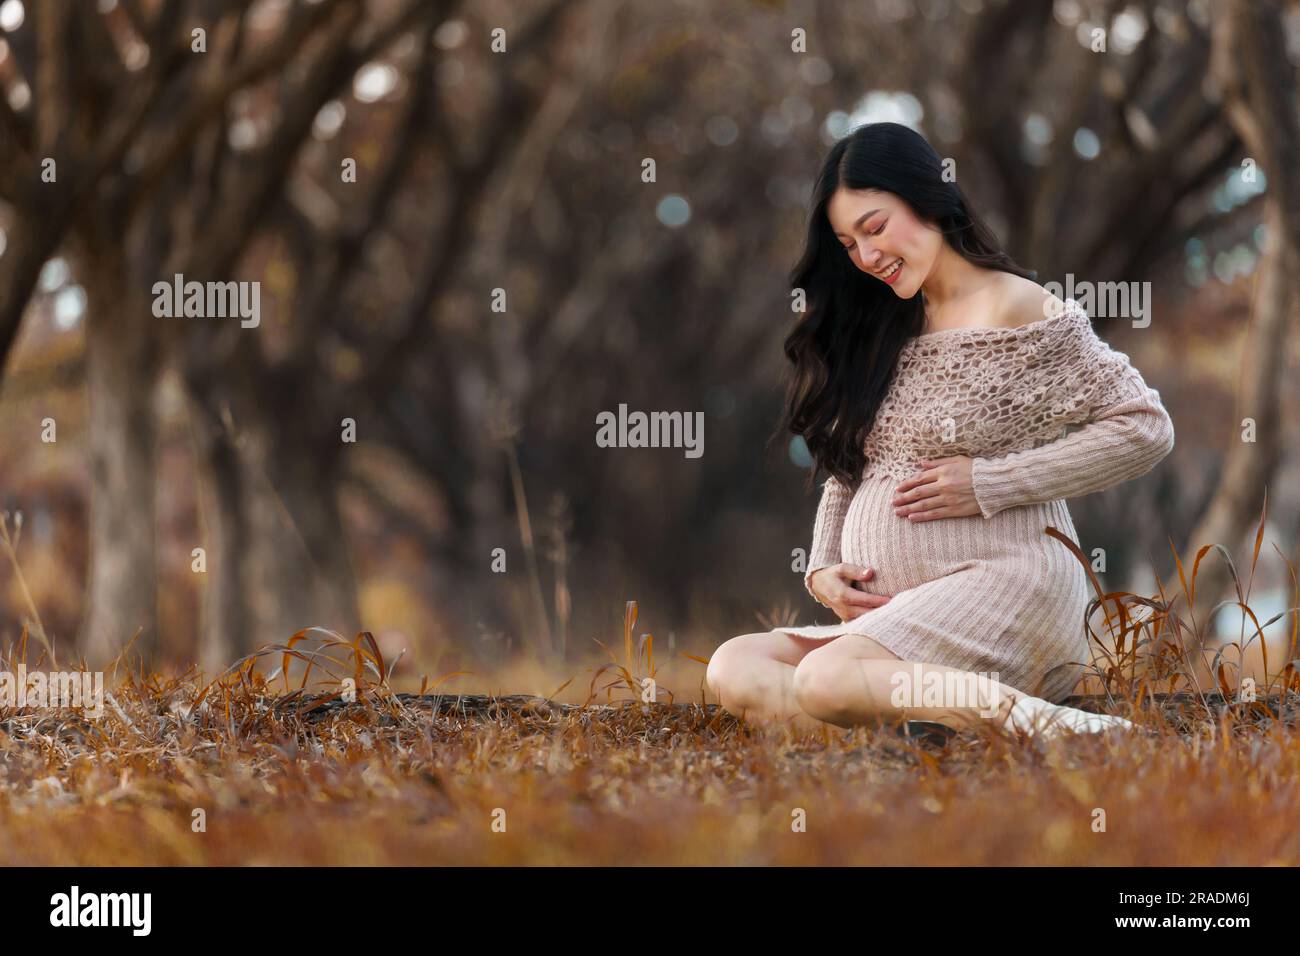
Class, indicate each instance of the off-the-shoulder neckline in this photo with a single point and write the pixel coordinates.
(1072, 308)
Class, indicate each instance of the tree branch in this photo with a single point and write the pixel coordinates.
(210, 103)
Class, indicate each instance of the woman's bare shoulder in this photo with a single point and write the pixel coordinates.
(1023, 301)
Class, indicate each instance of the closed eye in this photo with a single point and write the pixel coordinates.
(877, 232)
(874, 232)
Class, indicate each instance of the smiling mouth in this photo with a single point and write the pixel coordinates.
(892, 271)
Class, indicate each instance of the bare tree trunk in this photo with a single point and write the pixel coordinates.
(121, 370)
(490, 616)
(1259, 83)
(299, 572)
(28, 245)
(225, 623)
(1235, 508)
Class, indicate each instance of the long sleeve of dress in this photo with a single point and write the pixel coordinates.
(827, 530)
(1125, 433)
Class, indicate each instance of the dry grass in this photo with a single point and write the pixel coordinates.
(595, 775)
(286, 777)
(404, 782)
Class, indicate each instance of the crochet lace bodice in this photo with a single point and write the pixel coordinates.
(987, 392)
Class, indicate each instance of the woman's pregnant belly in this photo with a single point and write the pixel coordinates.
(906, 553)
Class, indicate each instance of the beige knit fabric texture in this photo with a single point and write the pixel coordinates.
(992, 593)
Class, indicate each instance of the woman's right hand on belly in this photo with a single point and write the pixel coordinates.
(833, 586)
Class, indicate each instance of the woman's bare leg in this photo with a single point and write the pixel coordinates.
(848, 683)
(753, 677)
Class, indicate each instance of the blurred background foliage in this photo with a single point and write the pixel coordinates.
(521, 169)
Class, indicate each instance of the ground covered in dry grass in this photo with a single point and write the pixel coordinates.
(292, 778)
(321, 761)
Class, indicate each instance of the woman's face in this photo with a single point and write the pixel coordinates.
(884, 238)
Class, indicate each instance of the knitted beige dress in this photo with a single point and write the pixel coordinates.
(993, 592)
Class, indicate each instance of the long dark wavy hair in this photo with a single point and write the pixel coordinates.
(846, 344)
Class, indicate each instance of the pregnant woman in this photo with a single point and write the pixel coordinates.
(935, 383)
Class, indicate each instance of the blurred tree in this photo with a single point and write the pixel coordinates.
(120, 101)
(523, 172)
(274, 424)
(1258, 83)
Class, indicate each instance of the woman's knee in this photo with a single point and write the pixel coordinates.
(815, 684)
(731, 662)
(828, 684)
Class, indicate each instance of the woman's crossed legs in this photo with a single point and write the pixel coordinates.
(774, 678)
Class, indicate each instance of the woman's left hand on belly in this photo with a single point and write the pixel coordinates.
(941, 489)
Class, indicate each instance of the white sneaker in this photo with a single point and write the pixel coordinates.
(1035, 716)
